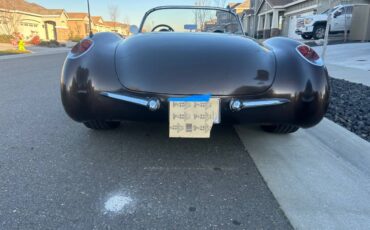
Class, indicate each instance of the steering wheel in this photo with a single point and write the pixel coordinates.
(166, 29)
(218, 31)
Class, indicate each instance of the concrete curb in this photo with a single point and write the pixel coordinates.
(34, 54)
(319, 176)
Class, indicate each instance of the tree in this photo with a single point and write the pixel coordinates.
(10, 18)
(114, 14)
(126, 25)
(201, 15)
(126, 20)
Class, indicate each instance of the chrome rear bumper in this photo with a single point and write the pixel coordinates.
(236, 105)
(153, 104)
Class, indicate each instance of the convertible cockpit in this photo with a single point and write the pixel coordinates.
(181, 19)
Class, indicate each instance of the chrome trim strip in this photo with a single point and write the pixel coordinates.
(264, 102)
(134, 100)
(237, 105)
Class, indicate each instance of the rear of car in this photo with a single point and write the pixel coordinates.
(212, 67)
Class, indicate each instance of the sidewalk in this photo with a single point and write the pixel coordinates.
(319, 176)
(350, 62)
(6, 46)
(36, 51)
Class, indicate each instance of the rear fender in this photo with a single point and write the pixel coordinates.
(85, 76)
(305, 84)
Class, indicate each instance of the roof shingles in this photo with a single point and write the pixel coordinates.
(77, 15)
(22, 5)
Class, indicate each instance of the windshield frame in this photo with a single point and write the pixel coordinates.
(191, 8)
(331, 10)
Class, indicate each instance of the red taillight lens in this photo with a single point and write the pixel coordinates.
(308, 53)
(82, 46)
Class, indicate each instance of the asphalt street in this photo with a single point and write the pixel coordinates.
(57, 174)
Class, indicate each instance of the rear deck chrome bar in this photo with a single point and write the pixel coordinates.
(237, 105)
(152, 103)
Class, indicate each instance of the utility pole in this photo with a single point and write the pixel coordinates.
(326, 37)
(88, 11)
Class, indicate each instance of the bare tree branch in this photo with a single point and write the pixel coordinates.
(126, 20)
(201, 16)
(114, 14)
(10, 17)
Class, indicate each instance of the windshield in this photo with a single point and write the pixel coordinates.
(191, 20)
(329, 11)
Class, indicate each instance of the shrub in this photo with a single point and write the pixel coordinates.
(35, 40)
(51, 43)
(75, 39)
(6, 38)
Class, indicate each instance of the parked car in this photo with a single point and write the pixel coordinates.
(280, 84)
(314, 26)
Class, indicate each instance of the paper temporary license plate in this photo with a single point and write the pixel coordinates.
(193, 118)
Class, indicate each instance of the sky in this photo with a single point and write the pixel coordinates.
(134, 10)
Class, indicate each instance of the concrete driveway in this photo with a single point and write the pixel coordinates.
(348, 61)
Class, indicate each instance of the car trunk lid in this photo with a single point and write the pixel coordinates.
(194, 63)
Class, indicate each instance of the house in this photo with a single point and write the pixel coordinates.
(78, 23)
(238, 8)
(224, 19)
(279, 17)
(248, 19)
(117, 27)
(98, 24)
(30, 19)
(297, 9)
(270, 15)
(323, 5)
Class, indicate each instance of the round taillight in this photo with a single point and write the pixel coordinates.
(308, 53)
(82, 46)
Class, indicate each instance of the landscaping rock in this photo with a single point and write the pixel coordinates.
(350, 106)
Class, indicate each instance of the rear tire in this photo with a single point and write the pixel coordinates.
(283, 129)
(102, 125)
(319, 32)
(306, 36)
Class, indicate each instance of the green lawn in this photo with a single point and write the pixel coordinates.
(10, 52)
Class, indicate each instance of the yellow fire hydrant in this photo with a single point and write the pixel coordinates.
(21, 45)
